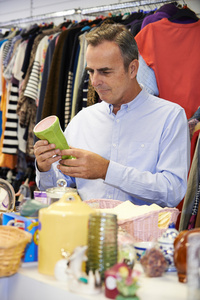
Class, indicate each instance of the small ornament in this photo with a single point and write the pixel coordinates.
(121, 282)
(69, 270)
(166, 245)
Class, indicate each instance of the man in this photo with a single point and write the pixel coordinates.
(131, 146)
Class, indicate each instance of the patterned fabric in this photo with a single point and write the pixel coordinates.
(192, 221)
(34, 83)
(68, 98)
(192, 123)
(92, 96)
(5, 51)
(10, 142)
(11, 49)
(8, 72)
(32, 86)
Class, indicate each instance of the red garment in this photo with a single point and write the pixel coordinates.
(172, 51)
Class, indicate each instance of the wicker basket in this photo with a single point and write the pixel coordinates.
(12, 245)
(103, 203)
(142, 228)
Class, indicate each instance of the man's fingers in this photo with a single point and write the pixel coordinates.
(70, 162)
(73, 152)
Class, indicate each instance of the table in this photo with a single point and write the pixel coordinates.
(29, 284)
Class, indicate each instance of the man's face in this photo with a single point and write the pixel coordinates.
(108, 76)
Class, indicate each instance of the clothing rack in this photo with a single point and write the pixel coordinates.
(122, 6)
(92, 11)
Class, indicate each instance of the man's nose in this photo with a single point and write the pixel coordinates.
(95, 79)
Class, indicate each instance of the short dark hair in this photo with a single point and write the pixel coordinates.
(115, 33)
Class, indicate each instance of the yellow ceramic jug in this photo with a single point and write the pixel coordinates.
(63, 225)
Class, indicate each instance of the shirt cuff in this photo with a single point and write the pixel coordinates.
(114, 175)
(45, 180)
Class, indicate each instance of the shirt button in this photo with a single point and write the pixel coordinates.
(117, 120)
(142, 145)
(114, 145)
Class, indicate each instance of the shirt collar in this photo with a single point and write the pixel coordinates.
(138, 100)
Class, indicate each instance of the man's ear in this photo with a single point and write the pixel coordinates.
(133, 68)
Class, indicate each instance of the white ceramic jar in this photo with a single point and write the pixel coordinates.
(166, 245)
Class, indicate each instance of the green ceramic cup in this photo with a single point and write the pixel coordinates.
(49, 129)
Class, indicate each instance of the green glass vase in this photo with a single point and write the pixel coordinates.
(102, 242)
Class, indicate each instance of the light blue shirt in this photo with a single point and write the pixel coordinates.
(147, 143)
(147, 78)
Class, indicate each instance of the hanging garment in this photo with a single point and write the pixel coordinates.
(172, 51)
(2, 45)
(6, 160)
(15, 41)
(79, 71)
(192, 220)
(165, 11)
(51, 94)
(67, 55)
(27, 55)
(17, 68)
(8, 71)
(26, 107)
(10, 141)
(5, 51)
(70, 80)
(192, 124)
(45, 75)
(82, 92)
(192, 189)
(34, 83)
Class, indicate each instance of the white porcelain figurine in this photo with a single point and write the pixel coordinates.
(69, 270)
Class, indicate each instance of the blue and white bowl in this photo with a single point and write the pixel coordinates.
(141, 247)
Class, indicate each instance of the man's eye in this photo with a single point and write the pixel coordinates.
(105, 72)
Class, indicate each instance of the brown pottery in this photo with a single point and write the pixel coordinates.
(180, 253)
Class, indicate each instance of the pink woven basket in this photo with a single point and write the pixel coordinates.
(103, 203)
(142, 228)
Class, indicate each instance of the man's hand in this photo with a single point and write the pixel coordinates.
(45, 155)
(87, 165)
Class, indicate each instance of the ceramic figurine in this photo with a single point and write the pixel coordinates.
(75, 262)
(60, 270)
(121, 282)
(166, 245)
(24, 191)
(70, 270)
(90, 284)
